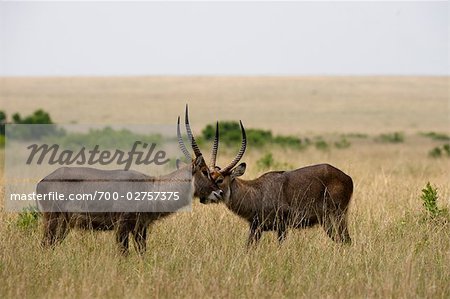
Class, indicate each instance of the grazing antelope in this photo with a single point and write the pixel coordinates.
(278, 200)
(67, 180)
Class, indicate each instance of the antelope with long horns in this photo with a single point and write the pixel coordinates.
(74, 180)
(278, 200)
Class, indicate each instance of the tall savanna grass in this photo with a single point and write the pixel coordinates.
(394, 252)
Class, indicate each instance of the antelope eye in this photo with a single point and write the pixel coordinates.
(219, 181)
(205, 173)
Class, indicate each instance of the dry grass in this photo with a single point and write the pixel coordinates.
(284, 105)
(201, 254)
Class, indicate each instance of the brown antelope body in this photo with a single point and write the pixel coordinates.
(68, 180)
(278, 200)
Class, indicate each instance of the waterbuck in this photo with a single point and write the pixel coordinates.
(278, 200)
(84, 180)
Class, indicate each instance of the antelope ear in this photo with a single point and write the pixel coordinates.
(179, 163)
(238, 171)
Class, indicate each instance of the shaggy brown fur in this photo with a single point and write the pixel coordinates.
(57, 224)
(318, 194)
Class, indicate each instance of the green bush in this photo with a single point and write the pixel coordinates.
(28, 218)
(343, 143)
(437, 136)
(266, 161)
(257, 137)
(107, 136)
(435, 152)
(429, 202)
(290, 141)
(2, 122)
(321, 144)
(438, 151)
(446, 148)
(33, 132)
(395, 137)
(38, 117)
(230, 134)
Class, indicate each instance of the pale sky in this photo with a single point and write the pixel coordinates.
(292, 38)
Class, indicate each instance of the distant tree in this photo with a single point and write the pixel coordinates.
(2, 117)
(38, 117)
(33, 132)
(2, 122)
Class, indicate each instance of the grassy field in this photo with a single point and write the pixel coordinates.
(395, 253)
(283, 105)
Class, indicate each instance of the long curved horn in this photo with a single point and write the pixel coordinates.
(240, 153)
(215, 148)
(194, 145)
(181, 143)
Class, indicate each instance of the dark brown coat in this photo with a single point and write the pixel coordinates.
(278, 200)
